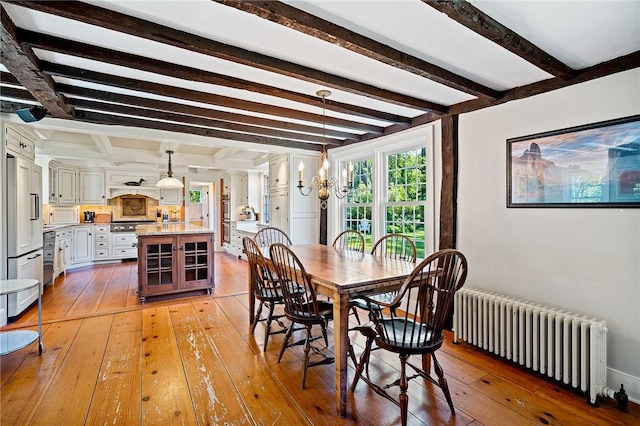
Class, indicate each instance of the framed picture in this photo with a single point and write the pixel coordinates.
(134, 206)
(596, 165)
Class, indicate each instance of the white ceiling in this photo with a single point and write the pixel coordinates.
(580, 34)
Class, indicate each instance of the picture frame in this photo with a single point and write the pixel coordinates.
(594, 165)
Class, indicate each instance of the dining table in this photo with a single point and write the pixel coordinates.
(342, 274)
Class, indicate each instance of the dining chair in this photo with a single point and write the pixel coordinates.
(266, 290)
(349, 240)
(269, 235)
(413, 324)
(301, 305)
(393, 246)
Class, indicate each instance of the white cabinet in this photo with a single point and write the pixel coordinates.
(53, 184)
(244, 189)
(30, 266)
(62, 255)
(279, 173)
(64, 215)
(67, 186)
(92, 188)
(279, 209)
(124, 245)
(82, 244)
(170, 197)
(18, 144)
(101, 242)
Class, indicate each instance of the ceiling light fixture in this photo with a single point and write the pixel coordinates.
(34, 113)
(170, 181)
(323, 183)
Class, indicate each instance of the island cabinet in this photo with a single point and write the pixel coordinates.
(170, 264)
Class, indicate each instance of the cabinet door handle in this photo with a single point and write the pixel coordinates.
(278, 208)
(173, 248)
(182, 247)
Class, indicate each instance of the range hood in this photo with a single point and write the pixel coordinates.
(117, 191)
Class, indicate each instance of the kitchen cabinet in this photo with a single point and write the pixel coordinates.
(289, 210)
(101, 242)
(62, 254)
(170, 264)
(170, 197)
(82, 244)
(67, 186)
(53, 184)
(91, 188)
(64, 215)
(29, 266)
(19, 144)
(279, 173)
(123, 245)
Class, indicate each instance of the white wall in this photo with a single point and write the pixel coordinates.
(583, 260)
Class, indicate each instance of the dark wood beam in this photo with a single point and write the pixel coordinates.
(479, 22)
(197, 96)
(105, 18)
(198, 111)
(101, 118)
(314, 26)
(157, 114)
(449, 187)
(623, 63)
(23, 64)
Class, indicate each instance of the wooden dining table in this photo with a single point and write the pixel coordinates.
(342, 274)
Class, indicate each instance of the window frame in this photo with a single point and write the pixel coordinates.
(415, 139)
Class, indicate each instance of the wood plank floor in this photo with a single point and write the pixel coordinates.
(192, 360)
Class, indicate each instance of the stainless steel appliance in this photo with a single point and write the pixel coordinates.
(226, 218)
(89, 217)
(24, 229)
(128, 226)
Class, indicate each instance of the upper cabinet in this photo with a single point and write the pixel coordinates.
(53, 184)
(170, 197)
(92, 188)
(19, 144)
(279, 173)
(67, 185)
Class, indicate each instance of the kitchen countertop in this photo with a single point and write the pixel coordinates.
(250, 226)
(170, 229)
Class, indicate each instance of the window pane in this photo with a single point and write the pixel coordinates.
(358, 208)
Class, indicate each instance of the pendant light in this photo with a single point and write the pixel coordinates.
(170, 181)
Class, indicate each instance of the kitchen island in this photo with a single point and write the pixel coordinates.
(174, 258)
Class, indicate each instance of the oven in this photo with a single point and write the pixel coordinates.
(226, 208)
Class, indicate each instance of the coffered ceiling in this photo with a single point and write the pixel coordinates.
(225, 84)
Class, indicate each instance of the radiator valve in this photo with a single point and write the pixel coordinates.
(623, 399)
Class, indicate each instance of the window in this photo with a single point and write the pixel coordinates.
(359, 203)
(406, 196)
(195, 196)
(394, 191)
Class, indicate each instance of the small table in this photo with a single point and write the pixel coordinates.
(342, 274)
(13, 340)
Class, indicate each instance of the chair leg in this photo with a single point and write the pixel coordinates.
(256, 318)
(363, 360)
(404, 384)
(354, 311)
(286, 341)
(267, 330)
(307, 348)
(443, 382)
(324, 334)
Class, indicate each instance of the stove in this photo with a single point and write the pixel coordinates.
(128, 226)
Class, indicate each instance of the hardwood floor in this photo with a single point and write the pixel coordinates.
(192, 360)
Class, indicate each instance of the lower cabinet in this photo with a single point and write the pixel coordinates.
(174, 263)
(82, 244)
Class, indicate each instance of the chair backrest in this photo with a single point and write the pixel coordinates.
(259, 269)
(269, 235)
(349, 240)
(423, 303)
(395, 246)
(299, 296)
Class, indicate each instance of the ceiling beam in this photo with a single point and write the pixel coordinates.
(232, 128)
(479, 22)
(105, 18)
(22, 63)
(199, 111)
(319, 28)
(101, 118)
(197, 96)
(620, 64)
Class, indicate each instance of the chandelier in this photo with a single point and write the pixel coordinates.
(323, 183)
